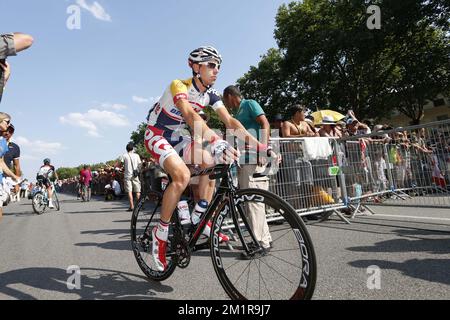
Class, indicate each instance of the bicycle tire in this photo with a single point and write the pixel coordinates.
(38, 198)
(56, 201)
(292, 232)
(142, 250)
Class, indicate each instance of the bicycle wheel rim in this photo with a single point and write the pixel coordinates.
(286, 272)
(56, 202)
(143, 219)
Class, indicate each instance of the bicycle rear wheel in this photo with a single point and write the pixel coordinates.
(38, 202)
(56, 201)
(262, 261)
(143, 221)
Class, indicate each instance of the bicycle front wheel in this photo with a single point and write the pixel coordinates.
(38, 202)
(270, 255)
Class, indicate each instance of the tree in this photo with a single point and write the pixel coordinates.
(268, 85)
(328, 58)
(138, 137)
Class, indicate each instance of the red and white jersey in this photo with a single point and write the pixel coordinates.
(165, 114)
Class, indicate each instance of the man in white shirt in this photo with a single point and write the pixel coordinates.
(116, 188)
(132, 164)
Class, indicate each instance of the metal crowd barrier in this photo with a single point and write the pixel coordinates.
(407, 167)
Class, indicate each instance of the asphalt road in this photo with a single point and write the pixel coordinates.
(410, 246)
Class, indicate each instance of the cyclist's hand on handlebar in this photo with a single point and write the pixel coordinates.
(223, 151)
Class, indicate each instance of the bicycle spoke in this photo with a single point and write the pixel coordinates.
(259, 284)
(280, 270)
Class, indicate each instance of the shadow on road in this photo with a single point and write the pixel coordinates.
(111, 245)
(99, 284)
(418, 241)
(432, 270)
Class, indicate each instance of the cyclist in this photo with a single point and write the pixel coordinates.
(167, 141)
(45, 173)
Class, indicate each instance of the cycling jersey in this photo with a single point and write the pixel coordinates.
(166, 133)
(46, 171)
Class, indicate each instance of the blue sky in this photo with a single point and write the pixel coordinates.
(76, 95)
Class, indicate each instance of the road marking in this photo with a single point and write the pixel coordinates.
(411, 217)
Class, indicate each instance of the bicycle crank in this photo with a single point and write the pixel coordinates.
(183, 254)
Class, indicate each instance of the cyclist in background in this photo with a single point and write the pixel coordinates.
(45, 173)
(173, 149)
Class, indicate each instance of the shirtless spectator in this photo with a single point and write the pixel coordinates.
(297, 127)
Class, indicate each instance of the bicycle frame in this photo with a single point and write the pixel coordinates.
(226, 189)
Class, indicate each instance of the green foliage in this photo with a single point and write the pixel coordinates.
(66, 173)
(328, 58)
(138, 139)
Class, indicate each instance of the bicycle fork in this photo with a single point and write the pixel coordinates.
(256, 248)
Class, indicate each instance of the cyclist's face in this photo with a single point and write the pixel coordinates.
(209, 72)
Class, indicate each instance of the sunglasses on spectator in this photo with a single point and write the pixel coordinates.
(211, 65)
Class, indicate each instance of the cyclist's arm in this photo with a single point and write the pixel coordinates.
(240, 131)
(194, 120)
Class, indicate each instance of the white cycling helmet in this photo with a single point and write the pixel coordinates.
(205, 54)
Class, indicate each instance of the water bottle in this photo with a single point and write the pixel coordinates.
(183, 212)
(200, 208)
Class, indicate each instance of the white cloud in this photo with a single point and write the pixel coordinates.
(140, 99)
(95, 9)
(93, 119)
(114, 106)
(37, 147)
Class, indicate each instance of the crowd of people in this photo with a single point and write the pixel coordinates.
(419, 158)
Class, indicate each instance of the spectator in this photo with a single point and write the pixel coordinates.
(113, 190)
(24, 187)
(277, 124)
(5, 120)
(132, 164)
(10, 45)
(329, 129)
(297, 126)
(12, 156)
(86, 180)
(354, 127)
(254, 120)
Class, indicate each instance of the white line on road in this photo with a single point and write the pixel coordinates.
(411, 217)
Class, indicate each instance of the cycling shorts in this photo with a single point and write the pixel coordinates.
(45, 181)
(162, 144)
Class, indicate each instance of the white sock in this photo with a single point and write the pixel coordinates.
(163, 230)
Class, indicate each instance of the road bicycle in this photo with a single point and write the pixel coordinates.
(40, 200)
(245, 269)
